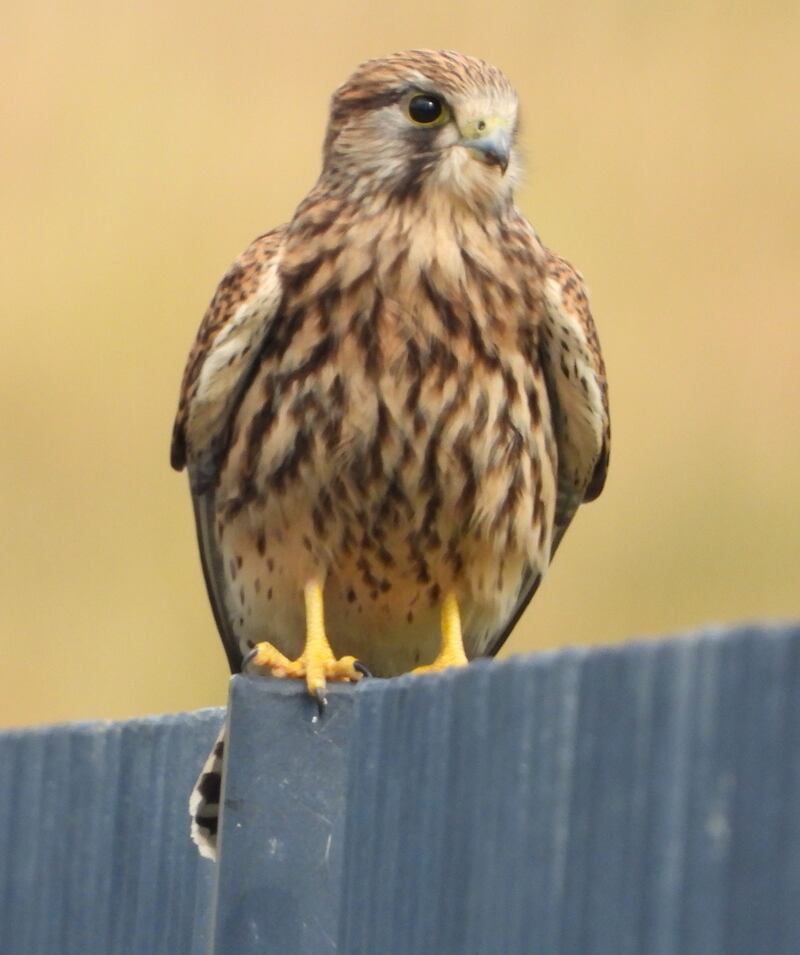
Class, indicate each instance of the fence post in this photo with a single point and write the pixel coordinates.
(281, 839)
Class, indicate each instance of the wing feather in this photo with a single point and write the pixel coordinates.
(569, 350)
(577, 388)
(221, 365)
(224, 355)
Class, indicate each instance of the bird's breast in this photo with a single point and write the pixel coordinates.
(417, 412)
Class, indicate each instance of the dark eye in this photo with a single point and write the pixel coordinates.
(427, 110)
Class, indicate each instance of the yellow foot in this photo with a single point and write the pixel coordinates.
(315, 668)
(451, 652)
(316, 664)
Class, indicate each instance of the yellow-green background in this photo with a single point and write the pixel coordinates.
(143, 145)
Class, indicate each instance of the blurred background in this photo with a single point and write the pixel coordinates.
(144, 145)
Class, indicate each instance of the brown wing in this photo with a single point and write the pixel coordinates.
(220, 367)
(577, 388)
(226, 347)
(569, 350)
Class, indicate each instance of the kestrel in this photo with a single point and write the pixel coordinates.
(395, 403)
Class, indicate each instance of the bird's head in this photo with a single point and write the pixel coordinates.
(424, 121)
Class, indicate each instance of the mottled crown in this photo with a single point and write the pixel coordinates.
(380, 82)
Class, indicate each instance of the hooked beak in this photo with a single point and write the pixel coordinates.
(490, 139)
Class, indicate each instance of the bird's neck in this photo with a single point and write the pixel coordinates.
(393, 241)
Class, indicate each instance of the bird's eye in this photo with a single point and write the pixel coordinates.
(427, 110)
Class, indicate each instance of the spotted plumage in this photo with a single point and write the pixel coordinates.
(400, 393)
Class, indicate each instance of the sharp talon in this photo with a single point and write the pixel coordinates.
(322, 700)
(248, 659)
(359, 666)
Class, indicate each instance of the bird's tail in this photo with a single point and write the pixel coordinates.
(204, 801)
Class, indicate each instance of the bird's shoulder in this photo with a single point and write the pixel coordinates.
(572, 297)
(241, 303)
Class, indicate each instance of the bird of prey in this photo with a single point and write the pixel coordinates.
(395, 403)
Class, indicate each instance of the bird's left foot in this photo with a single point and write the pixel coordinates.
(451, 652)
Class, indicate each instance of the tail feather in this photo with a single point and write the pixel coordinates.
(204, 801)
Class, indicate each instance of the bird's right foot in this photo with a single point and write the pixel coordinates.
(317, 663)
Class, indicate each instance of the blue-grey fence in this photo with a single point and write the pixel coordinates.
(641, 799)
